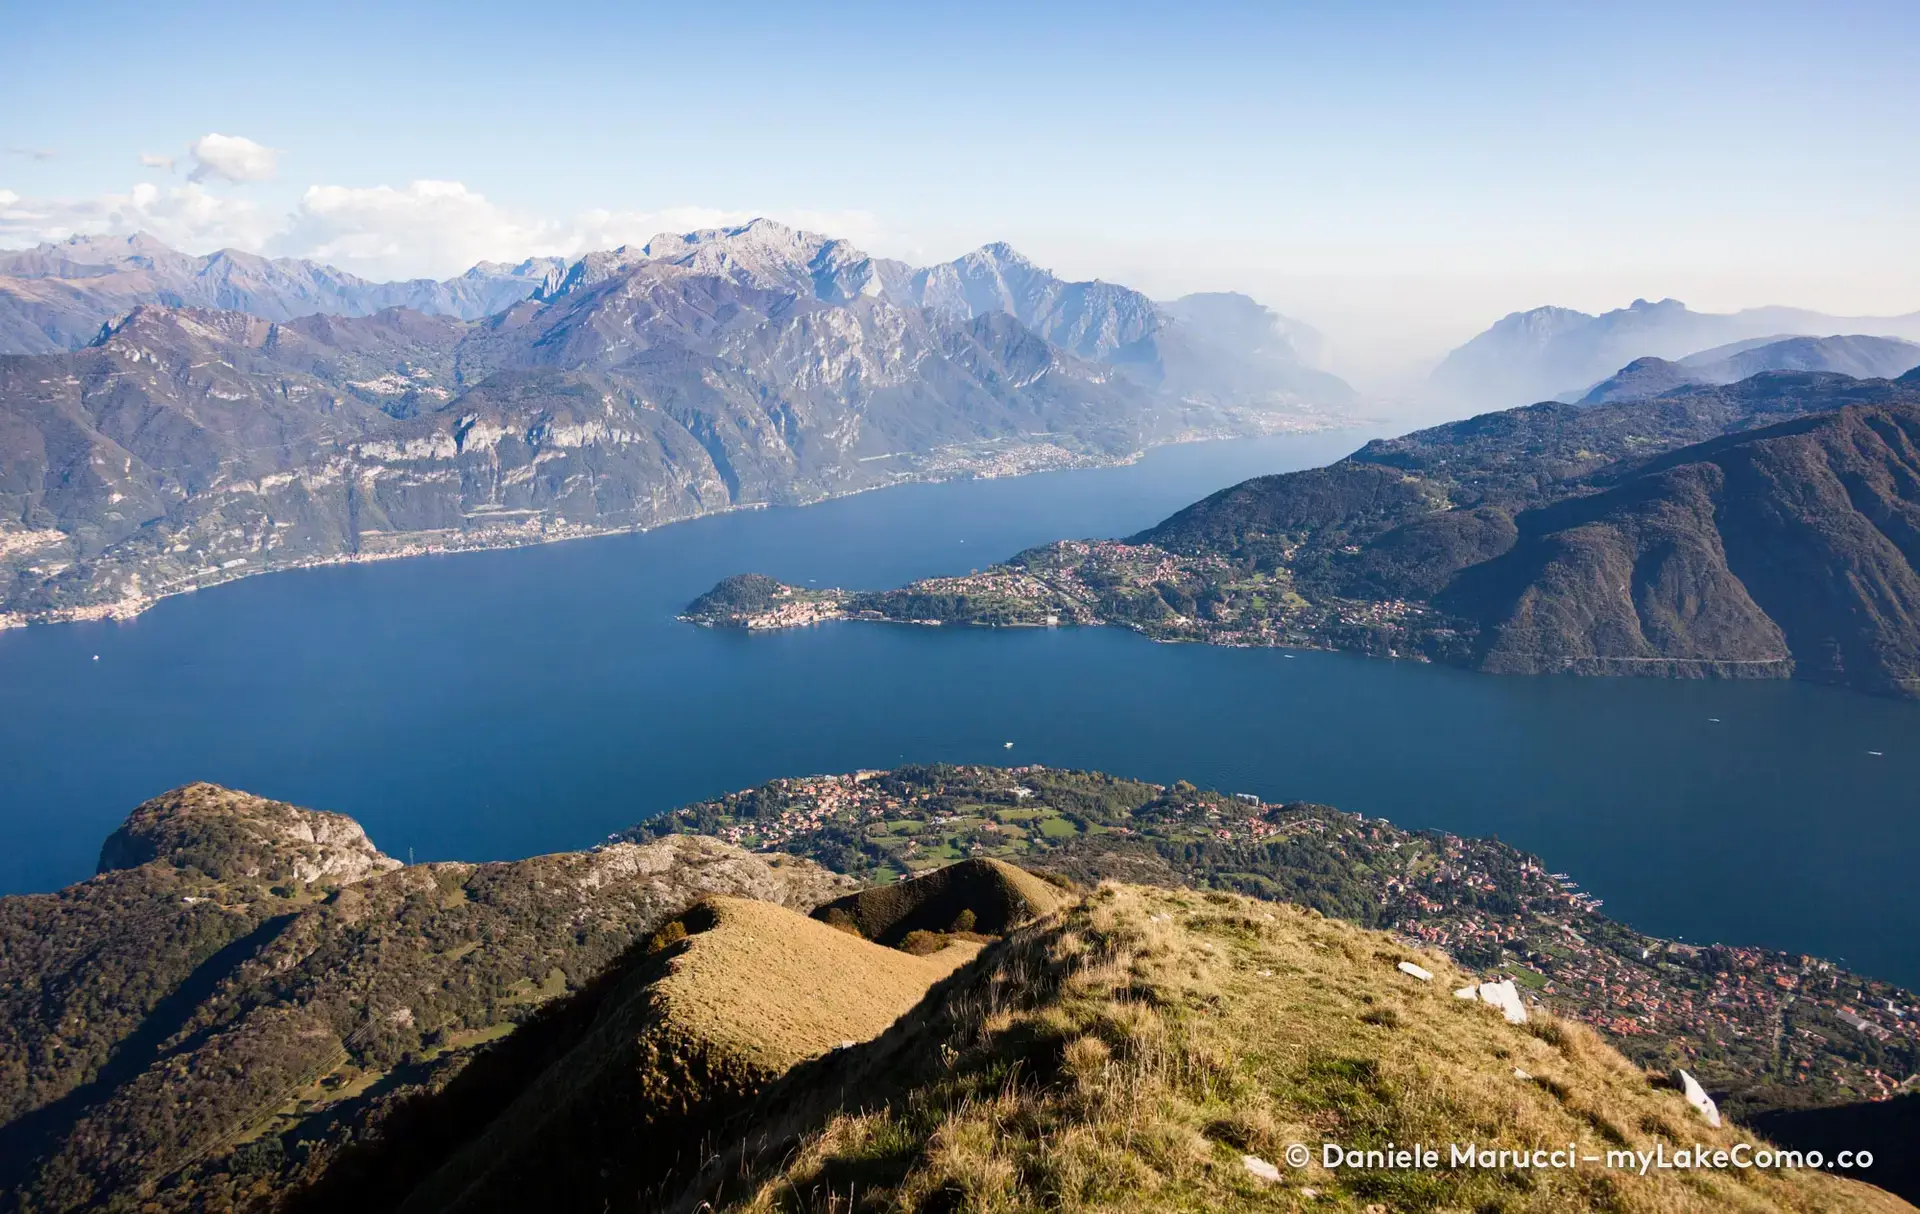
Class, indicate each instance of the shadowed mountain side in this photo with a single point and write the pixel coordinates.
(1797, 543)
(996, 897)
(606, 1096)
(1159, 1049)
(1403, 516)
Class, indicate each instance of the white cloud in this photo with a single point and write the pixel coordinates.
(232, 158)
(433, 229)
(185, 217)
(439, 228)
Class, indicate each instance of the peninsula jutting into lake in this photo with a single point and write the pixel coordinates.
(1763, 529)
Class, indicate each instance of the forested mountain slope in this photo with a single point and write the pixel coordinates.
(248, 976)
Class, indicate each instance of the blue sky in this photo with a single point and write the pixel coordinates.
(1421, 166)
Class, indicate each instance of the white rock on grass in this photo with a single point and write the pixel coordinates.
(1506, 997)
(1260, 1167)
(1698, 1098)
(1467, 992)
(1408, 967)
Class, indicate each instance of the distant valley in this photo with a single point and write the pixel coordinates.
(233, 415)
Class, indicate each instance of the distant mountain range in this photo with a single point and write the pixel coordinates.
(732, 367)
(56, 297)
(1546, 353)
(1859, 357)
(1221, 348)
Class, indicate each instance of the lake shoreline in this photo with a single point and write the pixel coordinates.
(540, 532)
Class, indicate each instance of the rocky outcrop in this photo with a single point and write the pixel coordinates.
(229, 835)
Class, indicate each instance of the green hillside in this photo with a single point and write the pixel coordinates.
(262, 987)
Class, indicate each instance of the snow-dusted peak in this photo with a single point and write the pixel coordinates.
(764, 235)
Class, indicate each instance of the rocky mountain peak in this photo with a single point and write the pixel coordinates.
(1001, 253)
(235, 836)
(196, 328)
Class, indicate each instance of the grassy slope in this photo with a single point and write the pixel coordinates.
(1126, 1053)
(687, 1032)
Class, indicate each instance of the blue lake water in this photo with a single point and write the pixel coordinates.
(495, 705)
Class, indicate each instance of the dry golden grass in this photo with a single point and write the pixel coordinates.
(1126, 1053)
(769, 986)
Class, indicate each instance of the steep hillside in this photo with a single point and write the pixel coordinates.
(1793, 545)
(248, 986)
(1163, 1050)
(737, 367)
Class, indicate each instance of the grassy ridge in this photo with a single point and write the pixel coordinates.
(1131, 1051)
(727, 998)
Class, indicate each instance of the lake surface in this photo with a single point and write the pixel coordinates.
(495, 705)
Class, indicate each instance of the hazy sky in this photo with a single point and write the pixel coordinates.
(1401, 174)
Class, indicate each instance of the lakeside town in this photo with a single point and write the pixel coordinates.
(1161, 594)
(1764, 1028)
